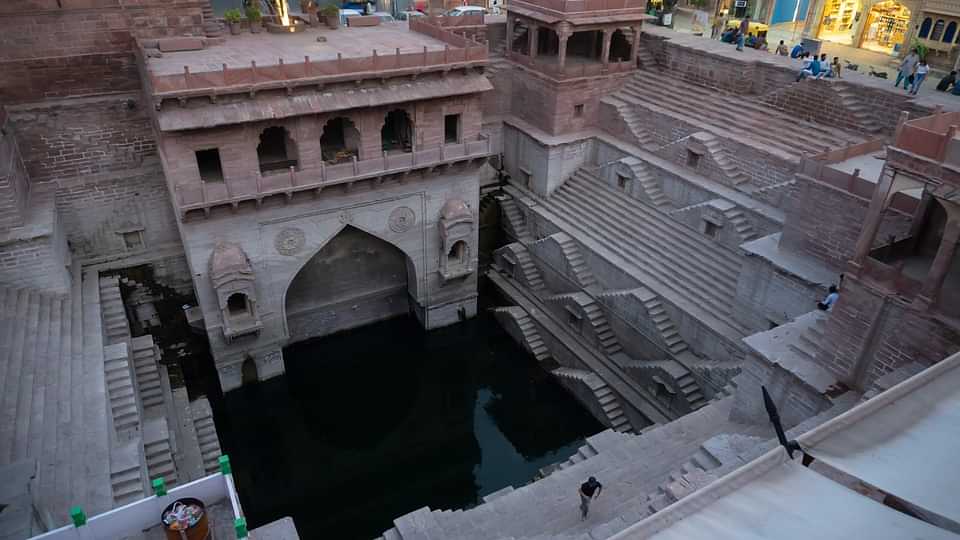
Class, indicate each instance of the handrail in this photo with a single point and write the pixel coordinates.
(197, 196)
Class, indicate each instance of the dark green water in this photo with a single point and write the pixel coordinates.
(370, 424)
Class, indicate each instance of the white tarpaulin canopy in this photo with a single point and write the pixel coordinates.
(905, 441)
(776, 498)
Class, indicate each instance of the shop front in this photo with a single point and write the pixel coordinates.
(840, 21)
(886, 27)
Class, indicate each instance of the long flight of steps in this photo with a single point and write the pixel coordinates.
(115, 323)
(648, 182)
(515, 315)
(52, 397)
(630, 467)
(206, 434)
(531, 274)
(578, 266)
(754, 121)
(606, 339)
(515, 223)
(677, 263)
(124, 409)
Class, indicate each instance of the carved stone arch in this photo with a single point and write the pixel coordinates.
(456, 225)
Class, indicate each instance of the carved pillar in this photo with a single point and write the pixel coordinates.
(532, 40)
(635, 45)
(890, 183)
(941, 263)
(605, 52)
(562, 51)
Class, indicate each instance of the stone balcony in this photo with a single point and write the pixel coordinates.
(929, 147)
(197, 200)
(572, 9)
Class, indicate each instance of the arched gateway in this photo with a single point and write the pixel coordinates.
(354, 279)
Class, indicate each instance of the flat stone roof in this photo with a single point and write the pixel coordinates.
(266, 49)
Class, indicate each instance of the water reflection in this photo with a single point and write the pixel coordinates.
(370, 424)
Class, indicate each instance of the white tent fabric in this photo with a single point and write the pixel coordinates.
(776, 498)
(905, 441)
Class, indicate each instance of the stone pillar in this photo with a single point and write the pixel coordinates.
(881, 197)
(635, 45)
(509, 46)
(941, 263)
(562, 52)
(532, 40)
(605, 52)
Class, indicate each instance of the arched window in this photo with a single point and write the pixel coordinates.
(937, 32)
(925, 28)
(458, 253)
(340, 140)
(950, 32)
(237, 304)
(276, 150)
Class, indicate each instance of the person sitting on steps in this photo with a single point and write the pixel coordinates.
(832, 296)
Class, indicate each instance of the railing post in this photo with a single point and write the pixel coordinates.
(323, 170)
(384, 160)
(293, 182)
(374, 59)
(356, 169)
(186, 76)
(424, 55)
(339, 62)
(446, 51)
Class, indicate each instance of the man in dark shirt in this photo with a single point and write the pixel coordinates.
(589, 490)
(742, 36)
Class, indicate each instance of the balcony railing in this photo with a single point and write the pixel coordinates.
(572, 70)
(581, 6)
(136, 517)
(207, 195)
(928, 136)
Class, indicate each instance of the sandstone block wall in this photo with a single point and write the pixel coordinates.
(14, 188)
(869, 335)
(766, 295)
(38, 261)
(826, 222)
(66, 139)
(552, 106)
(58, 48)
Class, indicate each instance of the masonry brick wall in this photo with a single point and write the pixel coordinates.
(826, 223)
(550, 106)
(66, 139)
(39, 262)
(14, 188)
(763, 168)
(95, 211)
(766, 294)
(78, 47)
(900, 334)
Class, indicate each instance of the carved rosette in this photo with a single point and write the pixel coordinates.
(290, 241)
(402, 219)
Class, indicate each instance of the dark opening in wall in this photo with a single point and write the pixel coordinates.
(451, 129)
(578, 109)
(340, 140)
(397, 132)
(237, 304)
(693, 159)
(208, 162)
(276, 150)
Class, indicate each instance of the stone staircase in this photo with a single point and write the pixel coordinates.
(158, 452)
(575, 262)
(127, 474)
(211, 27)
(206, 435)
(648, 182)
(629, 466)
(121, 393)
(147, 372)
(646, 59)
(531, 274)
(606, 340)
(606, 399)
(808, 342)
(664, 324)
(531, 336)
(854, 105)
(52, 395)
(758, 123)
(743, 227)
(514, 222)
(115, 324)
(635, 125)
(685, 383)
(671, 260)
(718, 154)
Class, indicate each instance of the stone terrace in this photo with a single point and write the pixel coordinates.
(265, 49)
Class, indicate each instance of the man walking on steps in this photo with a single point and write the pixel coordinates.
(589, 490)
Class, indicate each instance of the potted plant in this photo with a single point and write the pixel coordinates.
(233, 17)
(331, 13)
(255, 18)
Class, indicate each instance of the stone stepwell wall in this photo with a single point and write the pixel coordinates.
(58, 48)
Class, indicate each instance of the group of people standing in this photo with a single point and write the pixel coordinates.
(913, 71)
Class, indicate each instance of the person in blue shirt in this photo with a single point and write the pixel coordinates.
(796, 51)
(832, 296)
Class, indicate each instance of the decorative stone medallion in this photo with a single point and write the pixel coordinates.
(290, 241)
(402, 219)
